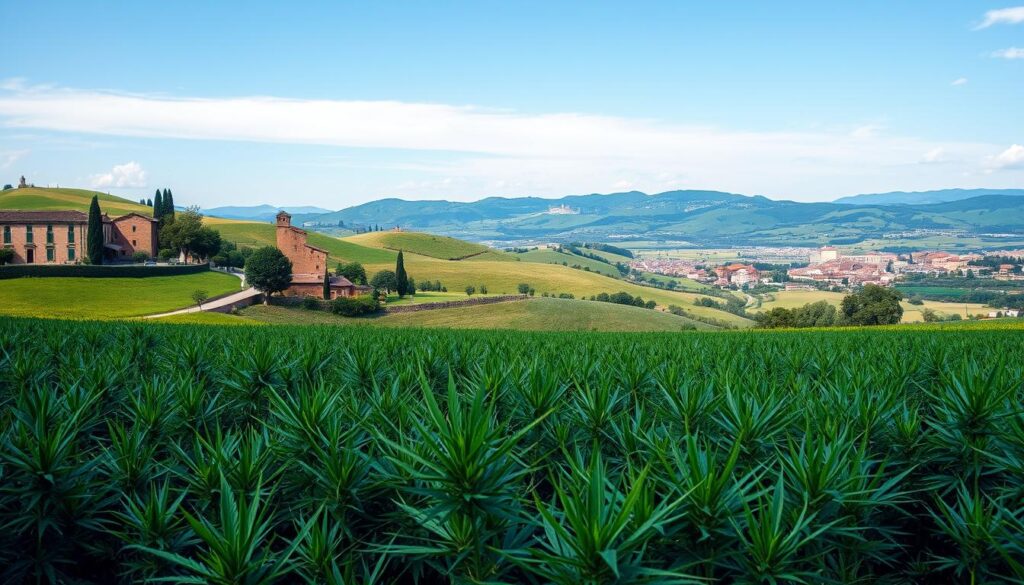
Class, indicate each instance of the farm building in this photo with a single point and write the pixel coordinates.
(309, 263)
(59, 237)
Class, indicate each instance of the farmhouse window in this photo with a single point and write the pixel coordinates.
(71, 253)
(71, 234)
(49, 234)
(49, 254)
(133, 229)
(28, 234)
(7, 234)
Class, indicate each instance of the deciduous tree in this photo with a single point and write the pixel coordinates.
(268, 271)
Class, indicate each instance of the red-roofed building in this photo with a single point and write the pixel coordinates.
(309, 263)
(59, 237)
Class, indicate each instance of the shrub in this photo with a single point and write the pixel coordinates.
(523, 288)
(354, 307)
(470, 290)
(310, 303)
(140, 257)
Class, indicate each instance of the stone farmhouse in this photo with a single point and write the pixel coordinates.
(60, 237)
(309, 264)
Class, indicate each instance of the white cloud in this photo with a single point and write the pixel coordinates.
(129, 175)
(1014, 15)
(866, 131)
(1010, 53)
(1011, 158)
(474, 151)
(8, 158)
(935, 155)
(959, 81)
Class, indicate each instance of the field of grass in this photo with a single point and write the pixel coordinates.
(911, 313)
(107, 298)
(39, 198)
(548, 256)
(441, 247)
(207, 318)
(538, 314)
(504, 278)
(682, 283)
(146, 452)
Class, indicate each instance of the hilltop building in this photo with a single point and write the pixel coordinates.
(737, 274)
(59, 237)
(309, 264)
(563, 209)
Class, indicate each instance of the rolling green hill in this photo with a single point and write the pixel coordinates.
(40, 198)
(441, 247)
(707, 218)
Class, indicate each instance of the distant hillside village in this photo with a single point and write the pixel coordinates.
(828, 267)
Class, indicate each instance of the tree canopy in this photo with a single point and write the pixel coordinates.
(385, 280)
(353, 271)
(186, 233)
(873, 305)
(268, 270)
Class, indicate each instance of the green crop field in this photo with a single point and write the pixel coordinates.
(107, 298)
(192, 453)
(538, 314)
(40, 198)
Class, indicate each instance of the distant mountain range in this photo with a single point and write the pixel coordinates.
(924, 197)
(706, 218)
(262, 212)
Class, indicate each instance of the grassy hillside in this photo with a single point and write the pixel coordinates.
(107, 298)
(500, 276)
(40, 198)
(532, 315)
(911, 313)
(257, 234)
(549, 256)
(441, 247)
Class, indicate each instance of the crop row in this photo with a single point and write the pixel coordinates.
(346, 455)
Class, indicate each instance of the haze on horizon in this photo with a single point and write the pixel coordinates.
(335, 105)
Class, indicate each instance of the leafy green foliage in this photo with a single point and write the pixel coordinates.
(205, 454)
(268, 270)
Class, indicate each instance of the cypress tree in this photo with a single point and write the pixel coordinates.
(158, 205)
(401, 276)
(168, 204)
(149, 202)
(95, 238)
(327, 284)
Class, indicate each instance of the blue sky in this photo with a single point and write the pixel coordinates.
(335, 104)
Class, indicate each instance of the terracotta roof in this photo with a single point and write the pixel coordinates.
(127, 215)
(318, 249)
(12, 216)
(336, 281)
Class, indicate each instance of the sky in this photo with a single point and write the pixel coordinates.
(338, 103)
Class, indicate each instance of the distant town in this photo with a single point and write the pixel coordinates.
(829, 267)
